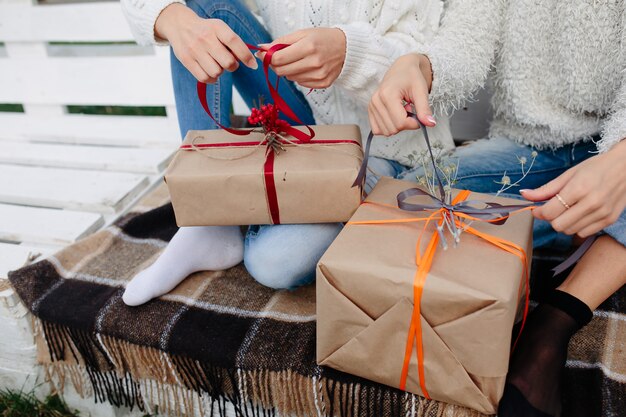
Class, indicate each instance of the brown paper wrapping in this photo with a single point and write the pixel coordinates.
(225, 186)
(469, 304)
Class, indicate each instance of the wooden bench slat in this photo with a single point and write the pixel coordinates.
(34, 224)
(86, 157)
(113, 80)
(84, 190)
(13, 256)
(94, 22)
(91, 129)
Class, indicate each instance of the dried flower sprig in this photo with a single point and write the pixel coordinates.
(506, 180)
(448, 170)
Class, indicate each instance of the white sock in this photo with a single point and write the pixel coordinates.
(205, 248)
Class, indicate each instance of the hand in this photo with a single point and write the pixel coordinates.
(409, 80)
(314, 58)
(206, 47)
(595, 190)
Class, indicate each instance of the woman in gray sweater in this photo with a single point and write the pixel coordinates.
(559, 72)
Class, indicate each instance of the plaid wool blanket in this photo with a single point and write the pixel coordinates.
(221, 337)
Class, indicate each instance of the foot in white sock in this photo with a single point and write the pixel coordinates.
(205, 248)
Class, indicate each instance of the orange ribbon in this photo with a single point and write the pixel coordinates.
(424, 262)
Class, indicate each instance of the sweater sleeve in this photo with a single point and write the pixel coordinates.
(463, 50)
(614, 129)
(372, 48)
(142, 15)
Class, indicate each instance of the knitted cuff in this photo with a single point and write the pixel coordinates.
(614, 132)
(358, 54)
(440, 89)
(142, 16)
(570, 305)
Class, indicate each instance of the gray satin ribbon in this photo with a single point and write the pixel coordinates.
(360, 178)
(493, 212)
(575, 257)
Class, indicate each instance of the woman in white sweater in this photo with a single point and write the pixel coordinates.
(559, 96)
(339, 48)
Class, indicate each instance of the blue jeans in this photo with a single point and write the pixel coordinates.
(483, 163)
(281, 256)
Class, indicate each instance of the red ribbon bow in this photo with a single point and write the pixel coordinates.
(279, 102)
(282, 106)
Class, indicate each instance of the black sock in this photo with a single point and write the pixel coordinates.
(534, 378)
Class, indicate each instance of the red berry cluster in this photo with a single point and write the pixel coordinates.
(267, 116)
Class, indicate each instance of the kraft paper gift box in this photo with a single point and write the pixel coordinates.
(471, 297)
(230, 180)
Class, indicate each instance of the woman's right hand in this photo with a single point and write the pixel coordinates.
(407, 80)
(206, 47)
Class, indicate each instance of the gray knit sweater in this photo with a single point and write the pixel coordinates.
(559, 67)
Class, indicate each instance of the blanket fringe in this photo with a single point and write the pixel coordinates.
(125, 374)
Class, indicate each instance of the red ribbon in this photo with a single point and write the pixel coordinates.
(281, 104)
(268, 166)
(270, 187)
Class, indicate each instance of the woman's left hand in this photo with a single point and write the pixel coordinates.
(314, 58)
(594, 190)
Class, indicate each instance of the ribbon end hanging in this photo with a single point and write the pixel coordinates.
(574, 257)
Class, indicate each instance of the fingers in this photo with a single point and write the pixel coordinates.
(378, 127)
(592, 222)
(403, 83)
(381, 113)
(196, 70)
(549, 211)
(592, 229)
(574, 219)
(222, 56)
(394, 110)
(292, 54)
(209, 66)
(233, 42)
(589, 208)
(419, 98)
(292, 70)
(374, 123)
(549, 189)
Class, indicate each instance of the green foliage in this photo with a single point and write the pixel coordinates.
(118, 110)
(12, 108)
(22, 404)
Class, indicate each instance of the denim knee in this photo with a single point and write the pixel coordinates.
(285, 256)
(272, 269)
(378, 167)
(208, 8)
(274, 272)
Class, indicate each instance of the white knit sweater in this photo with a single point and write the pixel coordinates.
(377, 33)
(560, 67)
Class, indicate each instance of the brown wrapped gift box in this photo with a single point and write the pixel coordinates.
(225, 185)
(469, 304)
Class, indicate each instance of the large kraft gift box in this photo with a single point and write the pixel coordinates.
(225, 179)
(470, 301)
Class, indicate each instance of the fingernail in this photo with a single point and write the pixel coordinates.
(431, 119)
(254, 65)
(263, 45)
(523, 191)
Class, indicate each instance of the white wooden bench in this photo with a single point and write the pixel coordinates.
(64, 176)
(76, 172)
